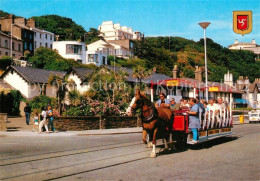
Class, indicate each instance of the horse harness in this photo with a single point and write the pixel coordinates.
(149, 118)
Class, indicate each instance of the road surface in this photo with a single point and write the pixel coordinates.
(124, 157)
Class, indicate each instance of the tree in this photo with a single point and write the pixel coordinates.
(140, 73)
(60, 83)
(5, 61)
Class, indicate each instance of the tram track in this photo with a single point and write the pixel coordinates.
(32, 158)
(70, 170)
(103, 163)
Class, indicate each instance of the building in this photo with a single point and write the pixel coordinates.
(42, 38)
(71, 50)
(6, 49)
(97, 57)
(251, 46)
(254, 94)
(120, 48)
(25, 30)
(29, 81)
(111, 31)
(18, 28)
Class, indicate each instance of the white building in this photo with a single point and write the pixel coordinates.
(71, 50)
(251, 46)
(42, 38)
(29, 81)
(111, 31)
(98, 57)
(120, 48)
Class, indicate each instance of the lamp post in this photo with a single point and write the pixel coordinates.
(11, 47)
(204, 25)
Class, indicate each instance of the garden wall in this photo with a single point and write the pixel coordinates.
(94, 122)
(3, 120)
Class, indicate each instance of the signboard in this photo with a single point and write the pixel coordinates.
(213, 89)
(242, 22)
(172, 83)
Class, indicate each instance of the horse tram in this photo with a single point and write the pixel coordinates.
(174, 124)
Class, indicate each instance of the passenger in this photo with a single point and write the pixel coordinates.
(220, 106)
(174, 105)
(206, 107)
(162, 102)
(211, 106)
(185, 105)
(194, 122)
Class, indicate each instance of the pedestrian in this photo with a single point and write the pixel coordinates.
(194, 122)
(27, 111)
(50, 119)
(35, 120)
(43, 121)
(162, 102)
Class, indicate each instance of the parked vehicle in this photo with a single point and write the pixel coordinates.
(254, 116)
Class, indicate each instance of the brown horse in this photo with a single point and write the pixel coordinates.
(153, 119)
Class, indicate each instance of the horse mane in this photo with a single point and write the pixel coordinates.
(145, 99)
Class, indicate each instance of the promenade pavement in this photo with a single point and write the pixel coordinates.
(17, 127)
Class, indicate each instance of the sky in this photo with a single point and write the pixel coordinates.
(152, 17)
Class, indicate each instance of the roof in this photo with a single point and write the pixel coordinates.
(41, 30)
(81, 72)
(156, 77)
(253, 85)
(33, 75)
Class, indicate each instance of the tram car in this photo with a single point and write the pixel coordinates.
(212, 125)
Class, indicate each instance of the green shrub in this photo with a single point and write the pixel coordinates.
(5, 61)
(10, 102)
(42, 101)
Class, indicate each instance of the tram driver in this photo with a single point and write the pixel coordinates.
(162, 102)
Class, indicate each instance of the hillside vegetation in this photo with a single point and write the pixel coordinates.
(65, 28)
(164, 52)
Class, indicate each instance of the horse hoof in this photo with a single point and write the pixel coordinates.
(149, 145)
(152, 155)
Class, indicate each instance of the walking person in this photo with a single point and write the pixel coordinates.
(35, 120)
(50, 119)
(27, 111)
(44, 121)
(194, 122)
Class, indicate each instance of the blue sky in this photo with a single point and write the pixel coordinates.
(153, 17)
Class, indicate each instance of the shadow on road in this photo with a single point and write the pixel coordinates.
(181, 147)
(12, 129)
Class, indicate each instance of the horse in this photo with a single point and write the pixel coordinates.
(153, 119)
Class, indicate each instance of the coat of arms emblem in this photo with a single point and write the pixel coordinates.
(242, 22)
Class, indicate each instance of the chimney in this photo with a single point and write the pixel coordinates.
(228, 79)
(174, 72)
(31, 23)
(20, 21)
(197, 73)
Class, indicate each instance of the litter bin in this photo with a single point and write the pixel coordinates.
(241, 119)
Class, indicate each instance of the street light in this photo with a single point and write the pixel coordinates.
(204, 25)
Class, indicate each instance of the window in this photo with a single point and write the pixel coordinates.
(25, 34)
(13, 55)
(79, 61)
(50, 46)
(13, 45)
(35, 34)
(93, 58)
(0, 52)
(131, 45)
(74, 49)
(30, 46)
(40, 36)
(6, 43)
(19, 47)
(30, 36)
(25, 45)
(35, 44)
(46, 36)
(0, 42)
(50, 37)
(46, 45)
(6, 53)
(40, 44)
